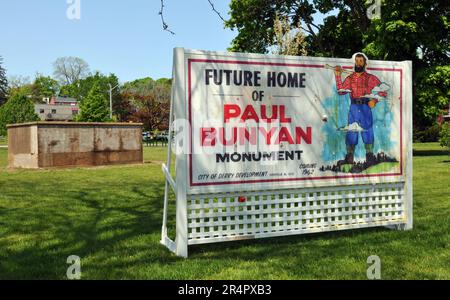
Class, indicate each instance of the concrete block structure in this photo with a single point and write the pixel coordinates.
(64, 144)
(49, 112)
(57, 109)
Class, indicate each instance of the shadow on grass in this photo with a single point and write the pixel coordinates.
(116, 226)
(269, 246)
(308, 256)
(111, 231)
(430, 152)
(92, 224)
(114, 223)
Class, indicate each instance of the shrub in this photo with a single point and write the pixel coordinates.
(18, 109)
(430, 134)
(444, 136)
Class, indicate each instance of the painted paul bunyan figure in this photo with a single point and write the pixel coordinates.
(365, 91)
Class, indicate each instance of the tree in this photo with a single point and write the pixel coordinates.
(41, 87)
(94, 108)
(18, 84)
(152, 113)
(18, 109)
(149, 102)
(44, 87)
(68, 70)
(81, 88)
(144, 86)
(254, 20)
(417, 31)
(3, 84)
(122, 108)
(287, 41)
(402, 33)
(432, 94)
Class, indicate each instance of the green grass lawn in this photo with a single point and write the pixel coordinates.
(111, 218)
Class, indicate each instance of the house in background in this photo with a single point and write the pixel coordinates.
(446, 117)
(57, 109)
(63, 101)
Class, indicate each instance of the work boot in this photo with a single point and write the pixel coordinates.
(347, 160)
(370, 159)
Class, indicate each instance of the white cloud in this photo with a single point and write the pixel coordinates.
(383, 87)
(374, 96)
(354, 127)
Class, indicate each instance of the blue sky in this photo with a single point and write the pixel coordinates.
(121, 37)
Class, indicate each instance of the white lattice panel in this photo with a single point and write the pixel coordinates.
(222, 217)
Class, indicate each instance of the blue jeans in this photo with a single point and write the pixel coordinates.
(361, 114)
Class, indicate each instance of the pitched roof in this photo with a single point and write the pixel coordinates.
(65, 99)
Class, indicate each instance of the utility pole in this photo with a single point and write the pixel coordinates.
(111, 89)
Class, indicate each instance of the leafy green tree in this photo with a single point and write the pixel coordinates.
(145, 86)
(432, 94)
(3, 83)
(44, 87)
(148, 101)
(80, 88)
(18, 109)
(41, 87)
(407, 30)
(416, 31)
(95, 107)
(254, 20)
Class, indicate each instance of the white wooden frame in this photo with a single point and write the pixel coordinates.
(219, 216)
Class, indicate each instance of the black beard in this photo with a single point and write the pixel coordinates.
(359, 69)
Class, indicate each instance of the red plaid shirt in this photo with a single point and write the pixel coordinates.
(359, 85)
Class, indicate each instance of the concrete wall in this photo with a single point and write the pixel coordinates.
(23, 147)
(53, 144)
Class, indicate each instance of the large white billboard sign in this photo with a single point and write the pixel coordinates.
(269, 145)
(272, 121)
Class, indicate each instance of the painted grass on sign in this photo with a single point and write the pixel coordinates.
(111, 218)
